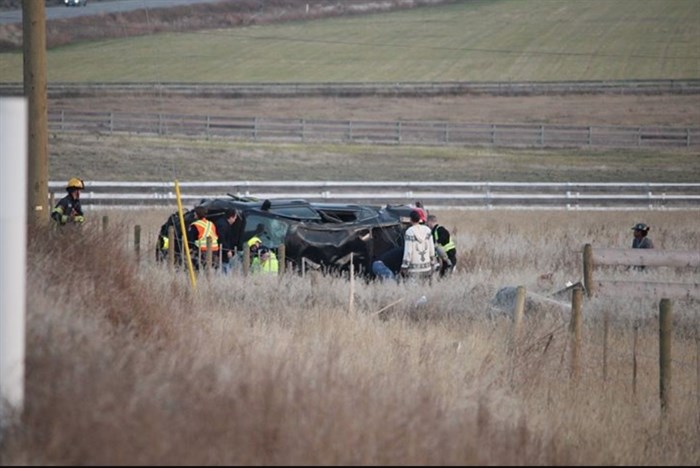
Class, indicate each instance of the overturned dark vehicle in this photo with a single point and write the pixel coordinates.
(315, 235)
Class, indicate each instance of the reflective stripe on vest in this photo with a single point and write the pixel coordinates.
(204, 230)
(447, 247)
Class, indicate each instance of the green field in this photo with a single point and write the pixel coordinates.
(507, 40)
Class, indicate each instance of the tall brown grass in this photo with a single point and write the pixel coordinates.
(127, 365)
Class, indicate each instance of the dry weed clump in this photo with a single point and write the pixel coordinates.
(127, 365)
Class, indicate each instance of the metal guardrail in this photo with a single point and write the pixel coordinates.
(281, 89)
(373, 132)
(453, 195)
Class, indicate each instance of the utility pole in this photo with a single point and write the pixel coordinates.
(35, 90)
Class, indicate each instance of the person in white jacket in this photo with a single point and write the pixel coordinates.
(419, 250)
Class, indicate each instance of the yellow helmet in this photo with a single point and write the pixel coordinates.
(75, 183)
(254, 240)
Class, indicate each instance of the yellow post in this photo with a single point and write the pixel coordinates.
(186, 246)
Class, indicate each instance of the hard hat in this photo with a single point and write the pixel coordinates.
(254, 240)
(75, 183)
(640, 227)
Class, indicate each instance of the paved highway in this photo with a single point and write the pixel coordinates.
(98, 8)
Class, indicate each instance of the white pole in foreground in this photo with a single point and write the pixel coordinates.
(13, 249)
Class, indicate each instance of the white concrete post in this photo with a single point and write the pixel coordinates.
(13, 249)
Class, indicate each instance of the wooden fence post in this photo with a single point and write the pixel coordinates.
(697, 369)
(171, 247)
(635, 337)
(246, 259)
(518, 313)
(665, 336)
(351, 304)
(606, 331)
(105, 223)
(281, 258)
(209, 256)
(137, 242)
(588, 269)
(575, 329)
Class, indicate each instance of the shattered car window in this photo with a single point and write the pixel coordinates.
(271, 231)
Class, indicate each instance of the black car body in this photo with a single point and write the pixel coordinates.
(318, 235)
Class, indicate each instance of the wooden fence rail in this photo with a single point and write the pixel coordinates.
(433, 133)
(640, 258)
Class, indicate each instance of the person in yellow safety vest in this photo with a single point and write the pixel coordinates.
(265, 262)
(68, 209)
(254, 244)
(444, 246)
(200, 230)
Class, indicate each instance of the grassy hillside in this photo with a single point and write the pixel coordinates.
(470, 40)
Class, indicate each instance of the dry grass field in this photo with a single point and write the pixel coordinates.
(127, 365)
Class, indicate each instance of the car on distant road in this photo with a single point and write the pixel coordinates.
(75, 2)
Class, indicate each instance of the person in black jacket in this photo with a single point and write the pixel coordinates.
(641, 241)
(229, 237)
(444, 246)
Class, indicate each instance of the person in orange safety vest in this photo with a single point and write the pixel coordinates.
(199, 231)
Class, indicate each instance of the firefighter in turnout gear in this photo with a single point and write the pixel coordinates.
(68, 209)
(444, 246)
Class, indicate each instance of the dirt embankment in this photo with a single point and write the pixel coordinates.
(196, 17)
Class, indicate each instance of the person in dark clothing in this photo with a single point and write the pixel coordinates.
(641, 241)
(445, 247)
(388, 264)
(68, 209)
(227, 229)
(422, 212)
